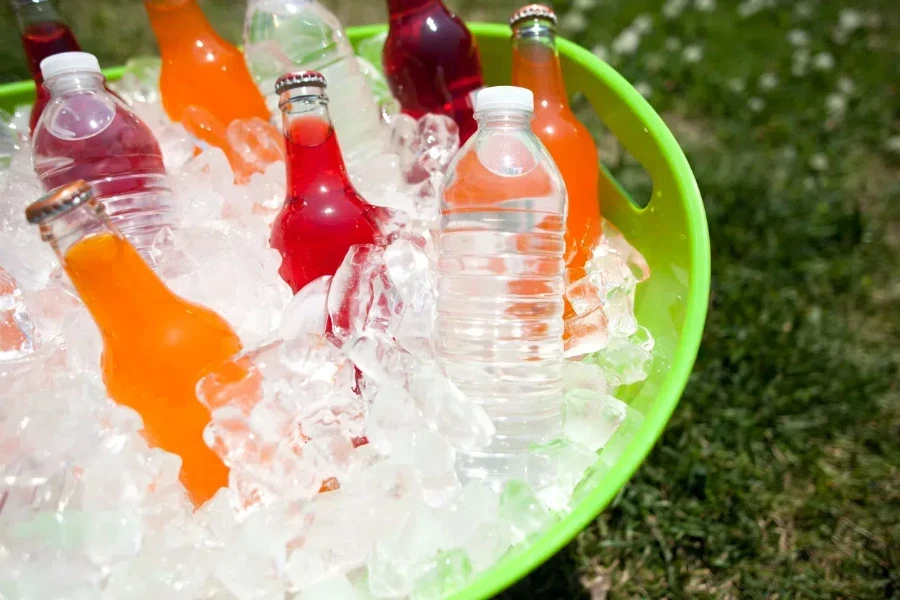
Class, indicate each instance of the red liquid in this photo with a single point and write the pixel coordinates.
(431, 62)
(40, 41)
(323, 215)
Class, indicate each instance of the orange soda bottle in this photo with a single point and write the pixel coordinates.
(202, 70)
(536, 66)
(156, 346)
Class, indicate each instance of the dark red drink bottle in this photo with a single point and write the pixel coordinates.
(43, 34)
(431, 62)
(323, 215)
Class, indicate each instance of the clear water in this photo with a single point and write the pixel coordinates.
(281, 36)
(499, 329)
(87, 133)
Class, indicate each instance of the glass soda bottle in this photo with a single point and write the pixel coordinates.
(199, 68)
(43, 34)
(323, 215)
(431, 62)
(87, 133)
(536, 67)
(156, 346)
(283, 36)
(501, 279)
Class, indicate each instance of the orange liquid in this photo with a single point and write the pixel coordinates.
(156, 347)
(536, 67)
(201, 69)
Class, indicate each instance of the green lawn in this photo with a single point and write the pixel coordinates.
(779, 475)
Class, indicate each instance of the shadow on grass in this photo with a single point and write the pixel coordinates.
(557, 579)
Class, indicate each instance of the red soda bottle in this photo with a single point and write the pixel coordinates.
(431, 62)
(43, 34)
(323, 215)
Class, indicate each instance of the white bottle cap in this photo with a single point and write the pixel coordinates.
(69, 62)
(504, 96)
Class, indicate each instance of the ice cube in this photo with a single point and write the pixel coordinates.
(411, 274)
(439, 577)
(436, 143)
(591, 418)
(307, 312)
(256, 142)
(613, 242)
(466, 515)
(523, 511)
(230, 271)
(16, 328)
(585, 334)
(626, 360)
(139, 83)
(555, 469)
(433, 459)
(583, 376)
(283, 418)
(336, 588)
(404, 133)
(202, 185)
(351, 295)
(420, 381)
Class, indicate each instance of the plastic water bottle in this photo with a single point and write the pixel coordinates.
(501, 279)
(87, 133)
(283, 36)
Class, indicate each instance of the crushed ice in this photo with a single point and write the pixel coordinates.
(341, 447)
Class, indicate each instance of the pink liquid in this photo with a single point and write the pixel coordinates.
(87, 133)
(431, 62)
(41, 40)
(323, 215)
(120, 157)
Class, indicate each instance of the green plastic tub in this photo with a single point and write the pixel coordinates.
(671, 233)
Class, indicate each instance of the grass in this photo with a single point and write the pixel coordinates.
(779, 475)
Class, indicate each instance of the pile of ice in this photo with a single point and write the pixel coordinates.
(341, 447)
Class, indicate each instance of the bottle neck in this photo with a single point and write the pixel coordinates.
(506, 119)
(178, 24)
(30, 13)
(113, 281)
(310, 143)
(74, 82)
(399, 9)
(43, 33)
(536, 63)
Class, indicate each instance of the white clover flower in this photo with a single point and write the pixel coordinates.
(672, 9)
(627, 42)
(835, 104)
(692, 53)
(823, 61)
(768, 81)
(798, 37)
(818, 162)
(643, 88)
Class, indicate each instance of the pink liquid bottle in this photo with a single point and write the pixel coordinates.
(43, 35)
(431, 62)
(87, 133)
(323, 215)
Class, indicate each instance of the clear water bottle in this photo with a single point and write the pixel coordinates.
(87, 133)
(281, 36)
(499, 329)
